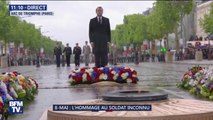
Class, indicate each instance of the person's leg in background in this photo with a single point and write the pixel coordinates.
(86, 60)
(78, 61)
(75, 60)
(58, 60)
(68, 60)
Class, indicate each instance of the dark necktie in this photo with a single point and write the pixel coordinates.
(99, 20)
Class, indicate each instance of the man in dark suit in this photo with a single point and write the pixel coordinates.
(57, 53)
(77, 53)
(68, 51)
(100, 37)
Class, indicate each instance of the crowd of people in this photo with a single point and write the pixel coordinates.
(26, 60)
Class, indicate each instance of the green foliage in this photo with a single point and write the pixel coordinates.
(4, 27)
(163, 19)
(207, 21)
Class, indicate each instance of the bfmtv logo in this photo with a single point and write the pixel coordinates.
(16, 106)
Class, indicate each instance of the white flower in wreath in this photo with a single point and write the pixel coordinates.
(113, 72)
(90, 74)
(18, 87)
(195, 83)
(20, 77)
(197, 74)
(128, 80)
(14, 93)
(115, 77)
(204, 85)
(101, 76)
(3, 86)
(202, 81)
(199, 78)
(8, 97)
(104, 77)
(211, 78)
(73, 74)
(84, 77)
(124, 75)
(32, 83)
(1, 100)
(203, 72)
(191, 82)
(90, 70)
(78, 70)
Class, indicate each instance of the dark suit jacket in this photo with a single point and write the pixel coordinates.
(100, 34)
(68, 51)
(77, 50)
(57, 51)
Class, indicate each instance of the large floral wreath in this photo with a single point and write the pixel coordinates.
(199, 81)
(93, 75)
(14, 86)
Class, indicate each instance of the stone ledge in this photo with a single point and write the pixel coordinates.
(174, 109)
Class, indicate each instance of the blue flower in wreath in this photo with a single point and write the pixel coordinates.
(3, 95)
(8, 87)
(116, 69)
(210, 86)
(129, 74)
(105, 70)
(70, 76)
(94, 75)
(119, 79)
(78, 74)
(194, 77)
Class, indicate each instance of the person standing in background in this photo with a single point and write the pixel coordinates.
(114, 54)
(77, 53)
(137, 52)
(86, 52)
(68, 51)
(58, 53)
(38, 60)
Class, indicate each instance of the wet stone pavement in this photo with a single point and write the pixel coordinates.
(54, 86)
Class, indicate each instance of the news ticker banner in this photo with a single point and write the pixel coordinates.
(29, 10)
(99, 108)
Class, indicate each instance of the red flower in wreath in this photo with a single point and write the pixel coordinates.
(110, 75)
(89, 78)
(83, 70)
(134, 80)
(1, 106)
(15, 73)
(134, 72)
(211, 90)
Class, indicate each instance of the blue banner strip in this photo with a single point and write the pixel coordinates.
(28, 7)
